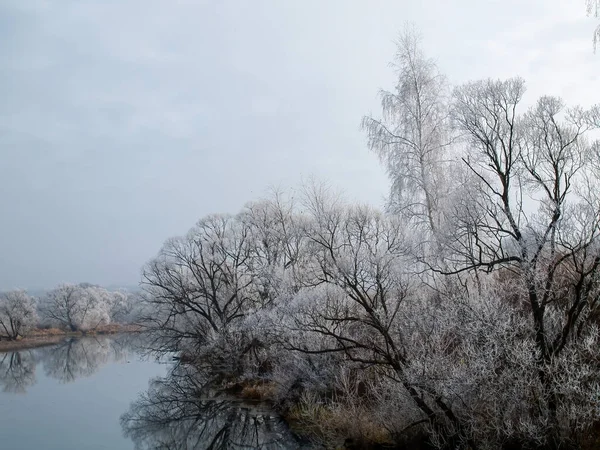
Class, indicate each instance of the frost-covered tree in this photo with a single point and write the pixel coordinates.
(17, 314)
(364, 305)
(537, 215)
(593, 9)
(277, 241)
(121, 306)
(199, 285)
(344, 312)
(469, 318)
(77, 307)
(413, 136)
(202, 287)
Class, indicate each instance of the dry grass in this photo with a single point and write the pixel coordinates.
(258, 391)
(48, 336)
(114, 328)
(30, 342)
(336, 424)
(46, 332)
(591, 439)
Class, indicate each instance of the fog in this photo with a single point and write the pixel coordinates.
(123, 123)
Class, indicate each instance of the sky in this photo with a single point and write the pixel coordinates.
(123, 122)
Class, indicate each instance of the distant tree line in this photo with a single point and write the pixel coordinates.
(72, 307)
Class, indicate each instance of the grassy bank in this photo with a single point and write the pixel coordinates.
(330, 425)
(51, 336)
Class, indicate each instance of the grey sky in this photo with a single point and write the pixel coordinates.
(123, 122)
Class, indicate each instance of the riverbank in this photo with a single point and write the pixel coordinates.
(50, 336)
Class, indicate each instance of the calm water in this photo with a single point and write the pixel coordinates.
(99, 393)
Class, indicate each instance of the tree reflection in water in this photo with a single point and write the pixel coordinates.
(76, 358)
(66, 361)
(182, 412)
(17, 371)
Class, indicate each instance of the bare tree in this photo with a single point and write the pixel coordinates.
(17, 314)
(277, 244)
(205, 284)
(122, 306)
(200, 284)
(413, 136)
(534, 215)
(77, 307)
(362, 305)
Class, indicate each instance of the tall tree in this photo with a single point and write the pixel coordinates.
(412, 136)
(537, 215)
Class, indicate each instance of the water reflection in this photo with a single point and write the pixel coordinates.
(182, 412)
(17, 371)
(66, 361)
(76, 358)
(178, 412)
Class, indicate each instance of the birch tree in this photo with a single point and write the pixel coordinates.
(412, 137)
(593, 10)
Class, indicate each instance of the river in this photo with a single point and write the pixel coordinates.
(101, 393)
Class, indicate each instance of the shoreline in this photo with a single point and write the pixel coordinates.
(52, 336)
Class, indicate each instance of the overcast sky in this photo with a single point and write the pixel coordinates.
(123, 122)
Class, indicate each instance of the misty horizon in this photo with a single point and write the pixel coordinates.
(113, 142)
